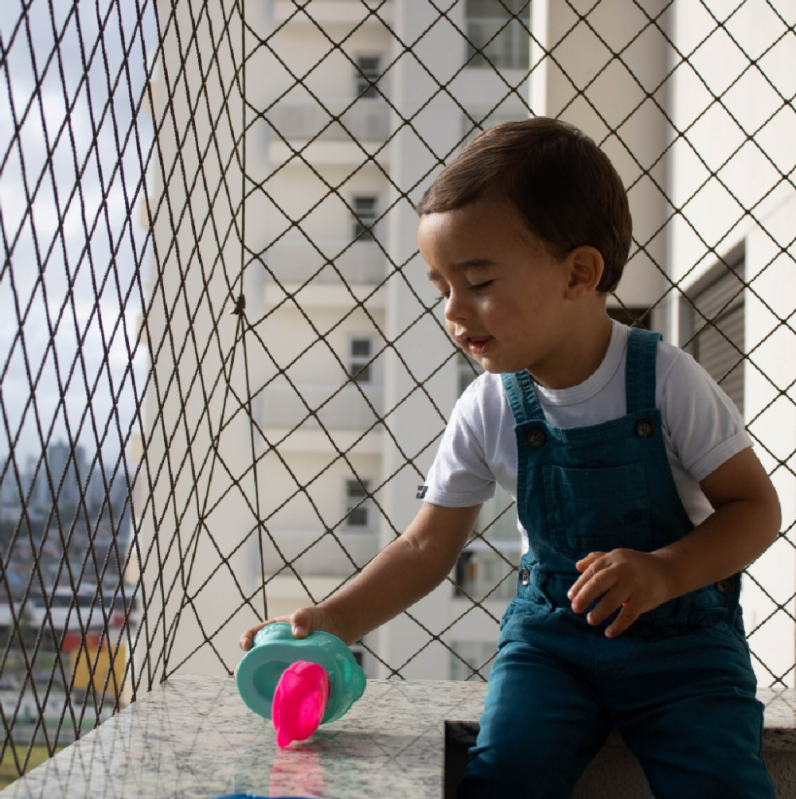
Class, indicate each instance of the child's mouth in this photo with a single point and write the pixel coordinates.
(478, 346)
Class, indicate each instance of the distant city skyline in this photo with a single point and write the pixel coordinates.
(72, 246)
(69, 474)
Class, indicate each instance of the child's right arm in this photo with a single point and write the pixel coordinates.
(400, 575)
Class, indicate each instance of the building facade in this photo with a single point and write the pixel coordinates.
(308, 374)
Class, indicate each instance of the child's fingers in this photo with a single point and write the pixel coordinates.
(611, 601)
(592, 583)
(245, 642)
(247, 638)
(622, 580)
(301, 623)
(584, 563)
(625, 618)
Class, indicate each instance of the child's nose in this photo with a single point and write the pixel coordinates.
(455, 308)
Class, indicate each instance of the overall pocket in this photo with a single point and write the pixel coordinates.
(592, 510)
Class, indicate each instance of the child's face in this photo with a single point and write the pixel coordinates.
(506, 296)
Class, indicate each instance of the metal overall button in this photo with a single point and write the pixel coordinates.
(724, 586)
(644, 428)
(536, 437)
(525, 576)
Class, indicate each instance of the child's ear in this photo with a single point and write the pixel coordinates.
(586, 267)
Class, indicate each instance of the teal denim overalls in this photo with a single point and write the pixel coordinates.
(678, 684)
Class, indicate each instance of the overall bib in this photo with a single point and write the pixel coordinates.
(678, 684)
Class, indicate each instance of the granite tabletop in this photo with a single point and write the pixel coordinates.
(193, 737)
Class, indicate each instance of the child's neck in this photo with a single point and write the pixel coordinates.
(585, 350)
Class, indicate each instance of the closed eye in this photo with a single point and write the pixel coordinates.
(481, 286)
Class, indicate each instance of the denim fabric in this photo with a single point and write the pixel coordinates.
(678, 684)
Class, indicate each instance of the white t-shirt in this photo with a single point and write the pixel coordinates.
(702, 427)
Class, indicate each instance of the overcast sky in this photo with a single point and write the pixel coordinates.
(60, 280)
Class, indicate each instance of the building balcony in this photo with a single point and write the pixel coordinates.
(367, 120)
(296, 262)
(363, 128)
(329, 272)
(330, 406)
(317, 556)
(334, 12)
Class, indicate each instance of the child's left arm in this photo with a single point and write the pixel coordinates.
(745, 522)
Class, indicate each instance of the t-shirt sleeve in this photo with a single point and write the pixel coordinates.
(459, 476)
(705, 426)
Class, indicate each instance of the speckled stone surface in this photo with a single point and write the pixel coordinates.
(780, 732)
(193, 737)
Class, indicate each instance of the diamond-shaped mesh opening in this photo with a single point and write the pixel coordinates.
(224, 373)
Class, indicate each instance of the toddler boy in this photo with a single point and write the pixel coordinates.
(638, 494)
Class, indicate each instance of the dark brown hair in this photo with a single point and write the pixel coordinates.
(565, 188)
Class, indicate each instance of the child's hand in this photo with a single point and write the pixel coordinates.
(302, 622)
(634, 581)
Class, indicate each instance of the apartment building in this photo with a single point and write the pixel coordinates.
(332, 411)
(372, 126)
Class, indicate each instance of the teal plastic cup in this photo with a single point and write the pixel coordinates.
(274, 649)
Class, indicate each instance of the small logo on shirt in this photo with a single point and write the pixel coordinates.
(421, 492)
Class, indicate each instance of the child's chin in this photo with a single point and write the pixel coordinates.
(490, 366)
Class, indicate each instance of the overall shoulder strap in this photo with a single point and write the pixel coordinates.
(521, 395)
(640, 369)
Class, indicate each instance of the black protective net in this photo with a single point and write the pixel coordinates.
(224, 372)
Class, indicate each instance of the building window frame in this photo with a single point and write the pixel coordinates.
(360, 357)
(365, 209)
(366, 76)
(358, 507)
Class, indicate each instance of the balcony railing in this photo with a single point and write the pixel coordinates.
(365, 120)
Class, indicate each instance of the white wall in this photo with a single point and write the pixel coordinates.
(722, 182)
(183, 506)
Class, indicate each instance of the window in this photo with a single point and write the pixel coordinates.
(365, 77)
(716, 311)
(364, 208)
(358, 510)
(498, 33)
(359, 366)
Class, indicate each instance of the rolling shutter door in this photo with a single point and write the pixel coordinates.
(719, 341)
